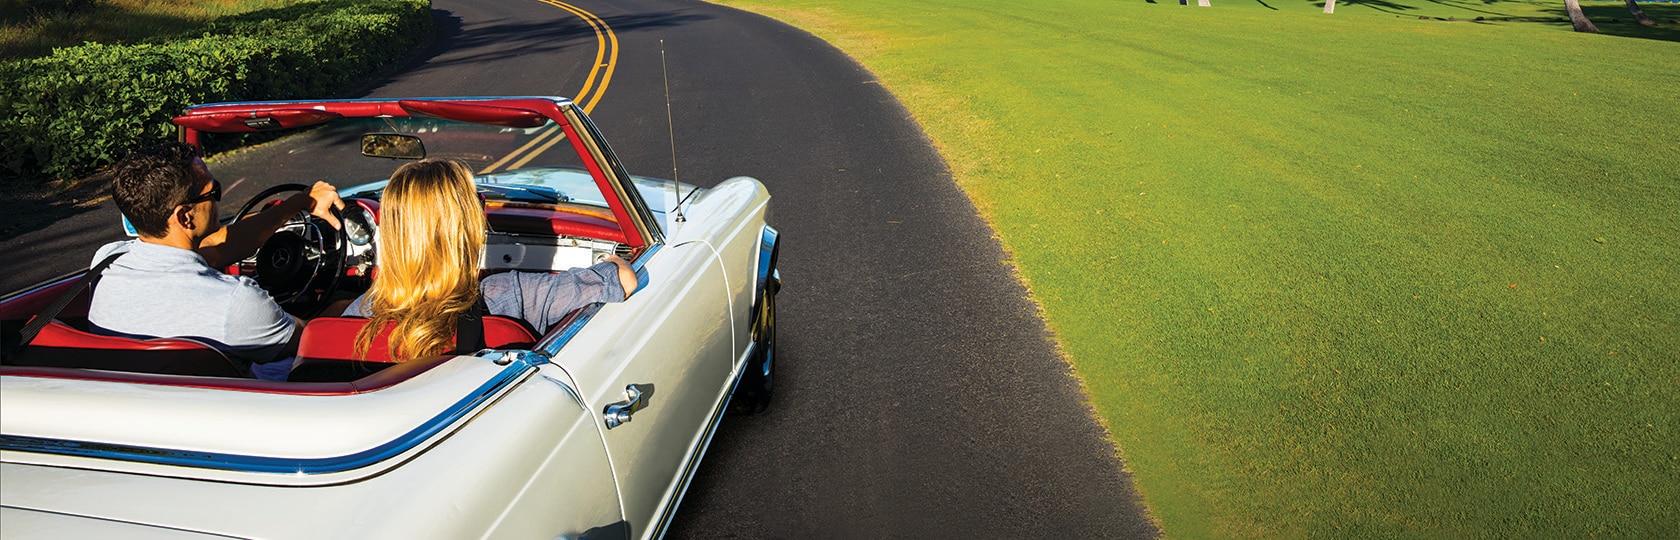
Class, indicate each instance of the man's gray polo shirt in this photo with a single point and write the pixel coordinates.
(161, 291)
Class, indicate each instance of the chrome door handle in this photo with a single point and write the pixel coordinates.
(618, 413)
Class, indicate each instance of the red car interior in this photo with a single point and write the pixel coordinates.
(24, 306)
(65, 344)
(375, 380)
(536, 220)
(333, 338)
(64, 349)
(327, 349)
(59, 345)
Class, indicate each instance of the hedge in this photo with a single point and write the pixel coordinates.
(65, 115)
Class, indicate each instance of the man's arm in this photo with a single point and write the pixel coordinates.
(626, 275)
(241, 239)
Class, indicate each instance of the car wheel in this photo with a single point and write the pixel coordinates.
(752, 394)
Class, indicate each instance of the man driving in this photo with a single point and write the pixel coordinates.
(167, 283)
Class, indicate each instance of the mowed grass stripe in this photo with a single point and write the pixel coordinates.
(1330, 275)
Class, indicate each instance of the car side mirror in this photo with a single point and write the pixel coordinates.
(393, 146)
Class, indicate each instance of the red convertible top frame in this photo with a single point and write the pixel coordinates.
(525, 112)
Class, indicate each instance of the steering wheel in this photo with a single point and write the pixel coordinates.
(305, 252)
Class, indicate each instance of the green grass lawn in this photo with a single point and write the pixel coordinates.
(1331, 275)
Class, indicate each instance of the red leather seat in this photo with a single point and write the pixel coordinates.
(59, 345)
(333, 338)
(508, 333)
(326, 352)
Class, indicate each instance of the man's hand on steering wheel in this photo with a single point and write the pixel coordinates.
(323, 199)
(303, 245)
(250, 231)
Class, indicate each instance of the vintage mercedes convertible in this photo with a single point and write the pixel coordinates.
(589, 429)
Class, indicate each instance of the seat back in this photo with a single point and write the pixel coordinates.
(334, 338)
(59, 345)
(326, 352)
(508, 333)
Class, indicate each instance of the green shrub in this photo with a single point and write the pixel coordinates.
(64, 115)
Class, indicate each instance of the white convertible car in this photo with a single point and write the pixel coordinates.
(589, 429)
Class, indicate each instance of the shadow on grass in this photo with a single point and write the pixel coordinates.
(1624, 26)
(1615, 20)
(1473, 6)
(32, 28)
(1612, 18)
(1380, 5)
(110, 26)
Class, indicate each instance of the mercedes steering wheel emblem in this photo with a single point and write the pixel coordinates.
(282, 257)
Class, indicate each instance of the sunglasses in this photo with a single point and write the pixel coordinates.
(215, 194)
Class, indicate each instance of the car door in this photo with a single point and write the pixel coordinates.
(670, 343)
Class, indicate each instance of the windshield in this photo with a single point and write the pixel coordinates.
(519, 164)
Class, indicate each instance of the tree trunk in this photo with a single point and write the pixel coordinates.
(1577, 18)
(1330, 6)
(1639, 14)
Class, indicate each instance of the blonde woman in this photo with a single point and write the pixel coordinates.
(431, 236)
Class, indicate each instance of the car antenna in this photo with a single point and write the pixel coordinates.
(671, 128)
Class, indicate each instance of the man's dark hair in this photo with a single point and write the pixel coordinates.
(149, 183)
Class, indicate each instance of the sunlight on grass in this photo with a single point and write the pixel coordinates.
(30, 28)
(1331, 275)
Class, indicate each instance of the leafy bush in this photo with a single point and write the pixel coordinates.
(64, 115)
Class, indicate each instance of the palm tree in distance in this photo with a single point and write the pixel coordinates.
(1639, 14)
(1578, 19)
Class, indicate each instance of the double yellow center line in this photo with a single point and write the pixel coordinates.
(606, 56)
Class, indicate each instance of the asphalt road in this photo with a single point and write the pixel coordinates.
(917, 395)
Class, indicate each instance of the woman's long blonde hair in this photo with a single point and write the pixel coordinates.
(431, 236)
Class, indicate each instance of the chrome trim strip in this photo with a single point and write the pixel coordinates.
(32, 289)
(551, 346)
(511, 374)
(642, 260)
(767, 241)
